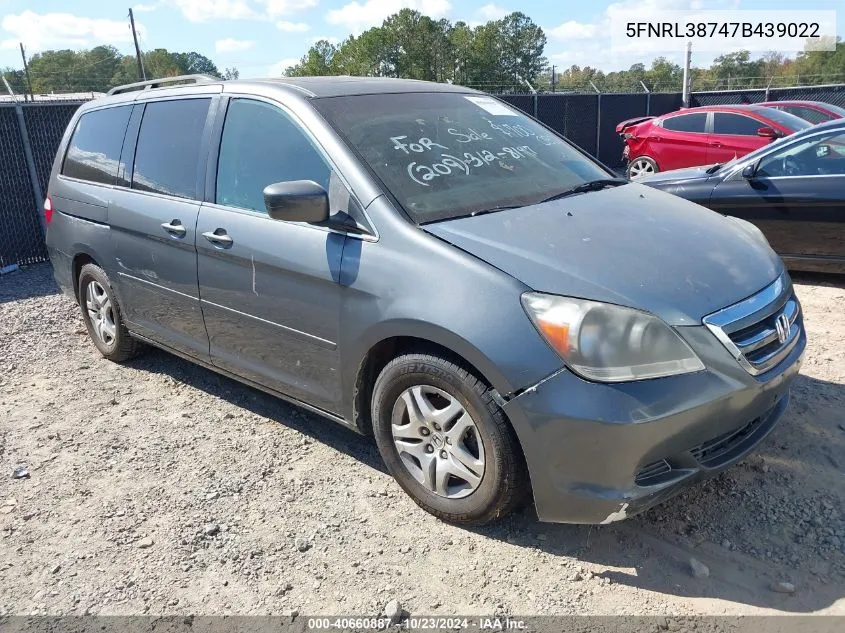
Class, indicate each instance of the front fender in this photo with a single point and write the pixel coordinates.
(440, 336)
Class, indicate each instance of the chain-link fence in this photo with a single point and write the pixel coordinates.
(834, 94)
(30, 134)
(588, 120)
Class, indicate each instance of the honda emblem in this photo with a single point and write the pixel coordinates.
(783, 327)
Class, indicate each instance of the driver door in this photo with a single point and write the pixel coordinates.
(796, 197)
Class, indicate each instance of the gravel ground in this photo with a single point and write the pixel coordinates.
(160, 487)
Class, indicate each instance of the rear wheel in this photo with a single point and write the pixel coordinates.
(641, 166)
(102, 317)
(446, 442)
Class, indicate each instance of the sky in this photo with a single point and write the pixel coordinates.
(262, 37)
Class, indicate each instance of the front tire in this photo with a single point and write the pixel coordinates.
(102, 316)
(641, 166)
(446, 442)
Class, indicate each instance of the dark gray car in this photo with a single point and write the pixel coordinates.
(425, 264)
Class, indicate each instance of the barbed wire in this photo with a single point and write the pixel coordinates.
(699, 84)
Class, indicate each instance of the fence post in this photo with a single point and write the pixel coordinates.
(38, 198)
(598, 119)
(535, 105)
(647, 99)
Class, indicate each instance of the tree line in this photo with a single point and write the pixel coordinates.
(497, 55)
(103, 67)
(737, 70)
(508, 55)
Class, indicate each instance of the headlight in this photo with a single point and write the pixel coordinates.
(609, 343)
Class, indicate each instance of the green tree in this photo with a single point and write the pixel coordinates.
(737, 70)
(194, 63)
(317, 61)
(523, 43)
(502, 53)
(821, 67)
(664, 76)
(16, 79)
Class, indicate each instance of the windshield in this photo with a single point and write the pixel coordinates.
(785, 119)
(445, 155)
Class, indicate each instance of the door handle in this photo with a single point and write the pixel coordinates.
(175, 227)
(715, 145)
(218, 237)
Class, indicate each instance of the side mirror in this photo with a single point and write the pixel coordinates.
(767, 132)
(297, 201)
(749, 171)
(822, 151)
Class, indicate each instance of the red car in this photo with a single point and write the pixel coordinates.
(701, 136)
(812, 111)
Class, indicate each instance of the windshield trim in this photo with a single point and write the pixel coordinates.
(364, 163)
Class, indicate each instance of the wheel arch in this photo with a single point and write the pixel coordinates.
(394, 342)
(82, 255)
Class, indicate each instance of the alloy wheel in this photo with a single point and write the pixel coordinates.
(639, 168)
(100, 312)
(438, 441)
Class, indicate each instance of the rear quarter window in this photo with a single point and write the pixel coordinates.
(686, 122)
(94, 150)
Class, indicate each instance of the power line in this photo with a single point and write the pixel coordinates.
(142, 75)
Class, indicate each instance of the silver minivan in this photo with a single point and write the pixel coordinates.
(427, 265)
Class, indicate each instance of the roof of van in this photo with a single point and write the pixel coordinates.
(344, 85)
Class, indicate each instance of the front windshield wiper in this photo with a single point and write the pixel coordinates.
(593, 185)
(584, 187)
(714, 168)
(504, 207)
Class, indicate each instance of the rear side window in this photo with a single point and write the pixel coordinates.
(686, 122)
(168, 151)
(808, 114)
(94, 150)
(737, 124)
(261, 145)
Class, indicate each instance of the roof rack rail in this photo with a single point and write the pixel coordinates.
(157, 83)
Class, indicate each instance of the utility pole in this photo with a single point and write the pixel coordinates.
(687, 60)
(553, 77)
(141, 74)
(26, 72)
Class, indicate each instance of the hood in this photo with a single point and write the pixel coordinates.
(677, 176)
(629, 245)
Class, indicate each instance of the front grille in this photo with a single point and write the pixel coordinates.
(760, 331)
(652, 473)
(715, 452)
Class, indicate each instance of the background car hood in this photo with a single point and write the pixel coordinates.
(676, 175)
(630, 245)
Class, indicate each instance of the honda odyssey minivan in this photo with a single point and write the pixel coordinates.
(427, 265)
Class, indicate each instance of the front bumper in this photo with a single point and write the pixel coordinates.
(599, 453)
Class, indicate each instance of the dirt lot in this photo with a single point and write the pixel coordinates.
(160, 487)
